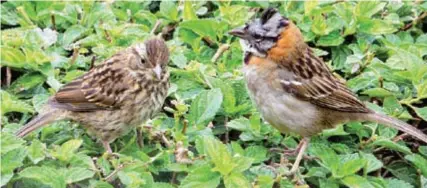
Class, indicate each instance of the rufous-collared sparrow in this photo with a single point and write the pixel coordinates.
(293, 88)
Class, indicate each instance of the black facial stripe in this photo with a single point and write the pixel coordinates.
(247, 57)
(270, 38)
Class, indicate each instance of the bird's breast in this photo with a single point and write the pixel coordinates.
(282, 110)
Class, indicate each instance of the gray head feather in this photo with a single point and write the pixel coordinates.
(263, 33)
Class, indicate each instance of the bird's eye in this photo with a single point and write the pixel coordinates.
(257, 36)
(142, 61)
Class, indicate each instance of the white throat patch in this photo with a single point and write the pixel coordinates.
(247, 47)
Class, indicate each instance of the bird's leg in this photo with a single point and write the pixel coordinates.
(304, 143)
(139, 139)
(107, 147)
(293, 152)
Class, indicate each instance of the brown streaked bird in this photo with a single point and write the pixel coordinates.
(293, 88)
(113, 97)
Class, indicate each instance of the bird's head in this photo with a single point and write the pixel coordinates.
(261, 35)
(152, 56)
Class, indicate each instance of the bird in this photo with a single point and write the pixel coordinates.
(113, 97)
(294, 90)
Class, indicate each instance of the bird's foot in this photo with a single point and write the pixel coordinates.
(108, 151)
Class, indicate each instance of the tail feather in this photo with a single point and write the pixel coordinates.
(39, 121)
(400, 125)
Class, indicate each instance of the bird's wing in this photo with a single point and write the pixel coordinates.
(99, 89)
(310, 79)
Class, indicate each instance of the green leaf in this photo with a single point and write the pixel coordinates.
(169, 10)
(202, 176)
(219, 155)
(67, 150)
(372, 163)
(355, 181)
(39, 101)
(76, 174)
(240, 124)
(229, 102)
(72, 34)
(241, 163)
(162, 185)
(402, 171)
(309, 5)
(9, 142)
(328, 183)
(392, 145)
(131, 179)
(375, 26)
(332, 39)
(36, 151)
(202, 27)
(377, 92)
(256, 152)
(189, 13)
(12, 159)
(350, 167)
(319, 26)
(395, 183)
(422, 112)
(71, 75)
(12, 57)
(10, 103)
(328, 156)
(236, 180)
(205, 106)
(317, 172)
(419, 162)
(423, 150)
(26, 82)
(265, 181)
(46, 175)
(235, 15)
(368, 8)
(100, 184)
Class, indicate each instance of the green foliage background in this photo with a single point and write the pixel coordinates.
(210, 134)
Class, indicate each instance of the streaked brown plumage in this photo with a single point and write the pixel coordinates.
(294, 89)
(113, 97)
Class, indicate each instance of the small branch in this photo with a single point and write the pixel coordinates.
(52, 19)
(416, 20)
(173, 179)
(156, 26)
(184, 129)
(168, 30)
(109, 178)
(163, 138)
(209, 41)
(75, 55)
(181, 154)
(92, 62)
(219, 52)
(107, 36)
(129, 13)
(8, 76)
(227, 136)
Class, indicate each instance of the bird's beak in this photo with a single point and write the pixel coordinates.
(158, 71)
(238, 32)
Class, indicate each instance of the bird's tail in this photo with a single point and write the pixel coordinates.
(37, 122)
(400, 125)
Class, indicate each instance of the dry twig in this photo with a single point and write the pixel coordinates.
(219, 52)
